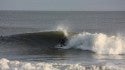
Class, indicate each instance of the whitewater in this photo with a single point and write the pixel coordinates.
(6, 64)
(99, 43)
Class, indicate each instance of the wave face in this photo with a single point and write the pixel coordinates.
(6, 64)
(38, 42)
(98, 42)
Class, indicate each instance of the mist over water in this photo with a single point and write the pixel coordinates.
(94, 40)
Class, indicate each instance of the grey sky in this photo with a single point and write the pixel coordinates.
(63, 5)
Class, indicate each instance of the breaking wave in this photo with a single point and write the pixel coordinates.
(97, 42)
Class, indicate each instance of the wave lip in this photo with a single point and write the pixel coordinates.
(98, 42)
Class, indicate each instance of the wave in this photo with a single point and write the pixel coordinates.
(97, 42)
(6, 64)
(32, 42)
(39, 37)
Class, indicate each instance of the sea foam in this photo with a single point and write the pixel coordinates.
(6, 64)
(99, 43)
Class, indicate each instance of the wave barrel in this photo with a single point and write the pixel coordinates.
(33, 41)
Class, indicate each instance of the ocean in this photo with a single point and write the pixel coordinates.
(62, 40)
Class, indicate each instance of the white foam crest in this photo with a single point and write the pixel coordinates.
(63, 29)
(6, 64)
(98, 42)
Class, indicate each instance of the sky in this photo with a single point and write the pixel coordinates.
(63, 5)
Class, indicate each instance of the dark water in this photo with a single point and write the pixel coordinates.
(72, 40)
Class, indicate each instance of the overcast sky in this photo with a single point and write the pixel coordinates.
(63, 5)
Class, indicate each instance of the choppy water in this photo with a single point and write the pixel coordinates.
(32, 40)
